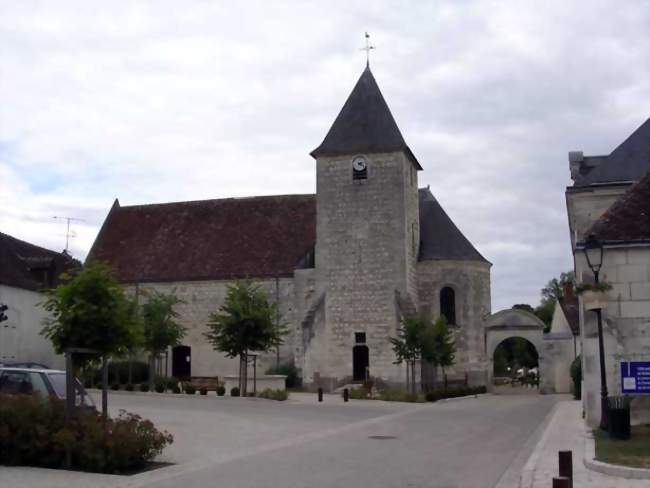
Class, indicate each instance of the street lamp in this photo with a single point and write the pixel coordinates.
(593, 249)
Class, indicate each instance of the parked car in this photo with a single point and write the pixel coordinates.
(44, 382)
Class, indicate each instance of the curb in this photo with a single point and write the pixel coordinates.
(541, 434)
(154, 393)
(609, 469)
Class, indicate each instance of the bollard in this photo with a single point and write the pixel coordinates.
(346, 394)
(565, 461)
(320, 394)
(561, 482)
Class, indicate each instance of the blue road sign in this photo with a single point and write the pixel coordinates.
(635, 377)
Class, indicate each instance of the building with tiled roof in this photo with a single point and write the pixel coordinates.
(344, 264)
(26, 270)
(609, 203)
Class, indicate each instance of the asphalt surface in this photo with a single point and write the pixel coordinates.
(242, 443)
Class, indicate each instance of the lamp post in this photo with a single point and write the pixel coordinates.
(593, 250)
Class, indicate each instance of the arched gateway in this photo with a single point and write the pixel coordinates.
(511, 323)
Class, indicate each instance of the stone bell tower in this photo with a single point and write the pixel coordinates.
(367, 241)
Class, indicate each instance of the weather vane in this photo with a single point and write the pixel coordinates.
(367, 49)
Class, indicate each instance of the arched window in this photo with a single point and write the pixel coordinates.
(448, 304)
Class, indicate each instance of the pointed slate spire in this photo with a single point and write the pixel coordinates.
(364, 125)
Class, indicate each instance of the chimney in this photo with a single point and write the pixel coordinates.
(576, 160)
(568, 292)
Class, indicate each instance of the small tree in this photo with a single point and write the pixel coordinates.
(407, 346)
(160, 329)
(247, 321)
(90, 310)
(441, 349)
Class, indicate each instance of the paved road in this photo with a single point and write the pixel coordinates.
(246, 443)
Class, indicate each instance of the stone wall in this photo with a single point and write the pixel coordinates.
(20, 338)
(626, 325)
(470, 281)
(200, 299)
(363, 257)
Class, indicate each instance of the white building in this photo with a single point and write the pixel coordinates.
(25, 270)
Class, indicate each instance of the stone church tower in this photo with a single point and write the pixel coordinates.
(367, 241)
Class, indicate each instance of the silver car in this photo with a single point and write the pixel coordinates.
(44, 382)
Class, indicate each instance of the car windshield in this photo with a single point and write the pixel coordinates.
(58, 383)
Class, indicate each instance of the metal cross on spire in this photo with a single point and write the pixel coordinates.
(367, 49)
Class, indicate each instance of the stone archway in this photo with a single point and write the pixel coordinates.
(511, 323)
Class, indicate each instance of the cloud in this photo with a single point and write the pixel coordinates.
(150, 102)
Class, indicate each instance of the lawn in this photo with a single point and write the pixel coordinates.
(634, 452)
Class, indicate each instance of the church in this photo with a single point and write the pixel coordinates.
(344, 265)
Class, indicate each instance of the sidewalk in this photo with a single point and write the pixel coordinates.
(566, 431)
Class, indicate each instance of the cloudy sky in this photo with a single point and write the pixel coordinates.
(155, 101)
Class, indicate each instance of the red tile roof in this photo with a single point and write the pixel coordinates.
(210, 239)
(628, 219)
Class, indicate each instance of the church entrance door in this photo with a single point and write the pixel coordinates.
(360, 363)
(181, 362)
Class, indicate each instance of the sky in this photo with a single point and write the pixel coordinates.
(157, 101)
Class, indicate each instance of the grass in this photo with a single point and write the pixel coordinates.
(634, 452)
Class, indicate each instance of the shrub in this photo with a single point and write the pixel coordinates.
(160, 387)
(115, 386)
(118, 372)
(279, 395)
(576, 376)
(398, 396)
(176, 389)
(129, 387)
(360, 394)
(171, 383)
(221, 390)
(33, 433)
(190, 389)
(203, 391)
(144, 387)
(234, 391)
(290, 371)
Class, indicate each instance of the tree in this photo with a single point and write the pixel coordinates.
(247, 321)
(407, 346)
(551, 294)
(160, 329)
(89, 310)
(441, 350)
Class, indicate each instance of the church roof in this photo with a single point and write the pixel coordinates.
(230, 238)
(440, 239)
(364, 125)
(30, 267)
(628, 219)
(628, 162)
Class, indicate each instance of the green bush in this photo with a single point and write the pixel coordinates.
(33, 433)
(435, 395)
(129, 387)
(279, 395)
(171, 383)
(203, 391)
(160, 388)
(144, 387)
(398, 396)
(190, 389)
(118, 372)
(221, 390)
(290, 371)
(176, 389)
(234, 391)
(115, 386)
(360, 394)
(576, 376)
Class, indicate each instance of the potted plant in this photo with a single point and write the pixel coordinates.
(594, 295)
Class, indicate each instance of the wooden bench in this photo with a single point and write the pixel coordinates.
(210, 383)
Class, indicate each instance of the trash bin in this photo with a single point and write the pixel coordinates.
(619, 417)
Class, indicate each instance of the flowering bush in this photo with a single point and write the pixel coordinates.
(33, 432)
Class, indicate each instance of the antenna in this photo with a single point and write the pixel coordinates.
(68, 233)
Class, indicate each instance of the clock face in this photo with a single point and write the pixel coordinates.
(359, 164)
